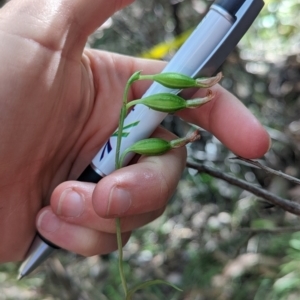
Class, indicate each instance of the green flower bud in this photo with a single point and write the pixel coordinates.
(179, 81)
(157, 146)
(170, 103)
(151, 146)
(175, 80)
(164, 102)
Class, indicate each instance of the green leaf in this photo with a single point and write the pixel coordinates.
(262, 224)
(286, 283)
(149, 283)
(125, 134)
(289, 267)
(131, 125)
(294, 243)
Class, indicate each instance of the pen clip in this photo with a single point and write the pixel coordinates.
(244, 18)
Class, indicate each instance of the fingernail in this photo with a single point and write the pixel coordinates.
(71, 204)
(270, 143)
(119, 202)
(48, 222)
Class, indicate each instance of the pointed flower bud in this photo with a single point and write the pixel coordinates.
(157, 146)
(175, 80)
(197, 102)
(179, 81)
(163, 102)
(151, 146)
(170, 103)
(209, 81)
(194, 136)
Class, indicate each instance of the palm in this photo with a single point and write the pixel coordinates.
(56, 132)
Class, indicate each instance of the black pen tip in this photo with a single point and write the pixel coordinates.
(89, 175)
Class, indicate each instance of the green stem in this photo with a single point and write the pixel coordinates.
(119, 138)
(120, 261)
(132, 103)
(118, 165)
(149, 283)
(123, 113)
(122, 156)
(146, 77)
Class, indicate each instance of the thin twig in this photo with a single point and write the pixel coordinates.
(285, 204)
(267, 169)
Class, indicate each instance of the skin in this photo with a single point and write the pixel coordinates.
(59, 104)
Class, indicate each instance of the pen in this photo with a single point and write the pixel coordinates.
(202, 54)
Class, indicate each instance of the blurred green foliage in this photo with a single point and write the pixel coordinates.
(275, 34)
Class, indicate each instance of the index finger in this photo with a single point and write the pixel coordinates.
(231, 122)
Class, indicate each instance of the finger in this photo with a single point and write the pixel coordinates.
(57, 22)
(119, 195)
(142, 187)
(72, 202)
(231, 122)
(78, 239)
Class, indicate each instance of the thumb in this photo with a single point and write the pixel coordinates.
(57, 24)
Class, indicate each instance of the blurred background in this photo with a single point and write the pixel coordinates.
(215, 240)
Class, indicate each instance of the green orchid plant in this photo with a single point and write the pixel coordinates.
(163, 102)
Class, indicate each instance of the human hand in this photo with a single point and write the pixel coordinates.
(59, 104)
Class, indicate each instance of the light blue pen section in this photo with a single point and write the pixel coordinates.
(188, 61)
